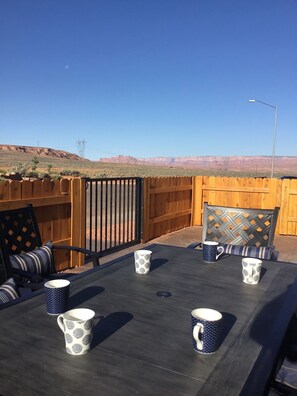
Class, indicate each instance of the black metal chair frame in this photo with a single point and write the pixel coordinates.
(238, 226)
(19, 233)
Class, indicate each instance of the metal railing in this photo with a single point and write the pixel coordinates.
(113, 213)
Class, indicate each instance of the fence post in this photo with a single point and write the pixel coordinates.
(284, 207)
(146, 211)
(78, 224)
(197, 201)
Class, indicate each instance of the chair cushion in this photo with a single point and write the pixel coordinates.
(8, 291)
(287, 374)
(39, 261)
(264, 253)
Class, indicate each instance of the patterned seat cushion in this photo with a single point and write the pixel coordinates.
(8, 291)
(264, 253)
(39, 261)
(287, 374)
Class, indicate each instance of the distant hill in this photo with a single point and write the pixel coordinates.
(285, 165)
(38, 151)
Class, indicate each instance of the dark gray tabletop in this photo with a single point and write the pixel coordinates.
(142, 342)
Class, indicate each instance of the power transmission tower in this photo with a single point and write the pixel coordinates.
(81, 146)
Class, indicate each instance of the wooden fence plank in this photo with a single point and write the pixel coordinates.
(15, 190)
(27, 189)
(36, 202)
(4, 190)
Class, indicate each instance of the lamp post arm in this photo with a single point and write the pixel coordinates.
(266, 104)
(274, 141)
(274, 132)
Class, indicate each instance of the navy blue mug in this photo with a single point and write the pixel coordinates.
(56, 296)
(206, 330)
(210, 251)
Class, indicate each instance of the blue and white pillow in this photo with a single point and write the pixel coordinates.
(8, 291)
(260, 252)
(40, 261)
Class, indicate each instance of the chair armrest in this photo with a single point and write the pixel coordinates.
(195, 245)
(31, 280)
(31, 276)
(91, 256)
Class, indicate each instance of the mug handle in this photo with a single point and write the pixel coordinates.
(220, 248)
(60, 321)
(197, 331)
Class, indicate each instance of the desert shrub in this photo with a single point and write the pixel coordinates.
(68, 172)
(49, 168)
(45, 175)
(21, 168)
(32, 174)
(35, 162)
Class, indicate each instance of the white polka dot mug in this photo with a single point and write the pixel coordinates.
(251, 270)
(206, 330)
(142, 261)
(77, 326)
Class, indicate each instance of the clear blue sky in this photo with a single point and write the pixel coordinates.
(149, 78)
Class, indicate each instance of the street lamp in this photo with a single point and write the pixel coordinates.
(274, 131)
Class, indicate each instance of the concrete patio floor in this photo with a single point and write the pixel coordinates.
(286, 245)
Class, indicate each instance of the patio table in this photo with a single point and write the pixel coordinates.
(142, 342)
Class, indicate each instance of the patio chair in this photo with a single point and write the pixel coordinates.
(284, 381)
(245, 232)
(22, 254)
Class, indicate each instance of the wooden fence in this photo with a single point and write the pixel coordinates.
(169, 204)
(59, 207)
(177, 202)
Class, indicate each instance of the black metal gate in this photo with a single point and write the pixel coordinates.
(113, 213)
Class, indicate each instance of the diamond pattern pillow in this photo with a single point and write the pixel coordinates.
(39, 261)
(8, 291)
